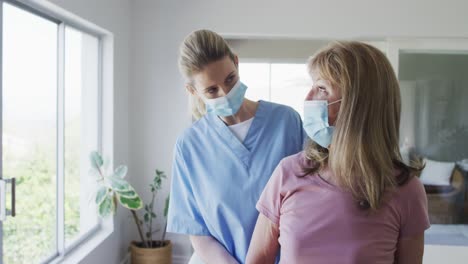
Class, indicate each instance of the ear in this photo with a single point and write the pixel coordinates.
(190, 89)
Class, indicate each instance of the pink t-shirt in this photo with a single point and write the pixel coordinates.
(321, 223)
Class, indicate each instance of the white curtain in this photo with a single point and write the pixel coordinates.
(435, 118)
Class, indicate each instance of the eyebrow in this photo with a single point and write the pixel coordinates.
(214, 86)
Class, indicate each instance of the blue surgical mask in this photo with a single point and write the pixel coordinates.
(226, 105)
(316, 121)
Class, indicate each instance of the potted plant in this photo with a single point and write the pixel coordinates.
(113, 189)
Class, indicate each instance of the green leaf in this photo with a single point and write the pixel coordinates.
(128, 194)
(153, 215)
(107, 206)
(146, 217)
(131, 203)
(101, 195)
(161, 173)
(157, 183)
(166, 207)
(158, 179)
(118, 184)
(96, 159)
(121, 171)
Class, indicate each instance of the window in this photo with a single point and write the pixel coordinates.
(80, 130)
(283, 83)
(53, 78)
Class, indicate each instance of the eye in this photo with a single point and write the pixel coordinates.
(229, 79)
(212, 90)
(322, 89)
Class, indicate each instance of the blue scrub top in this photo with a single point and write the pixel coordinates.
(217, 180)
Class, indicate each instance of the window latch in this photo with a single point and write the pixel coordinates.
(4, 212)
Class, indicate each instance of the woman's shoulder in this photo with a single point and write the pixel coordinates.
(411, 191)
(291, 175)
(413, 186)
(193, 132)
(293, 166)
(294, 161)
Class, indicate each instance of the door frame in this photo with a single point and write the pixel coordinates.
(396, 46)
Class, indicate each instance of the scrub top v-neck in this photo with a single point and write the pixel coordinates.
(217, 179)
(240, 130)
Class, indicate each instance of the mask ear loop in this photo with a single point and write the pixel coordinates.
(339, 100)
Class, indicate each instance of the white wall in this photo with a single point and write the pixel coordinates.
(150, 101)
(276, 50)
(113, 15)
(158, 103)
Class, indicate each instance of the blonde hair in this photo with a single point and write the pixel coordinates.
(364, 152)
(199, 49)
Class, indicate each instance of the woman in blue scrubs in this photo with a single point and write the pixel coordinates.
(223, 161)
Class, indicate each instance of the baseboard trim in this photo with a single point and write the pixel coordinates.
(180, 259)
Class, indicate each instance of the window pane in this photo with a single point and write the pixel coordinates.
(81, 130)
(257, 77)
(29, 134)
(290, 84)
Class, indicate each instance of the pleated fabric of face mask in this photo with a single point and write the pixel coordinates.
(316, 121)
(227, 105)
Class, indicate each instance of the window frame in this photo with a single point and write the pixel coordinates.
(87, 241)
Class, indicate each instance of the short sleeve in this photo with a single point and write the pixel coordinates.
(269, 203)
(414, 211)
(184, 216)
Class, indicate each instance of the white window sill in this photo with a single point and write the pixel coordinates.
(436, 254)
(447, 235)
(82, 250)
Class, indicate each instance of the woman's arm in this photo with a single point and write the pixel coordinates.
(410, 250)
(211, 251)
(264, 244)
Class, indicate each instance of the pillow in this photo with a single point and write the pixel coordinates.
(437, 172)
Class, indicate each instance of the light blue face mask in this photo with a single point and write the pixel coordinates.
(316, 121)
(226, 105)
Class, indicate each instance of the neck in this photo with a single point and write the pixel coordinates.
(246, 111)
